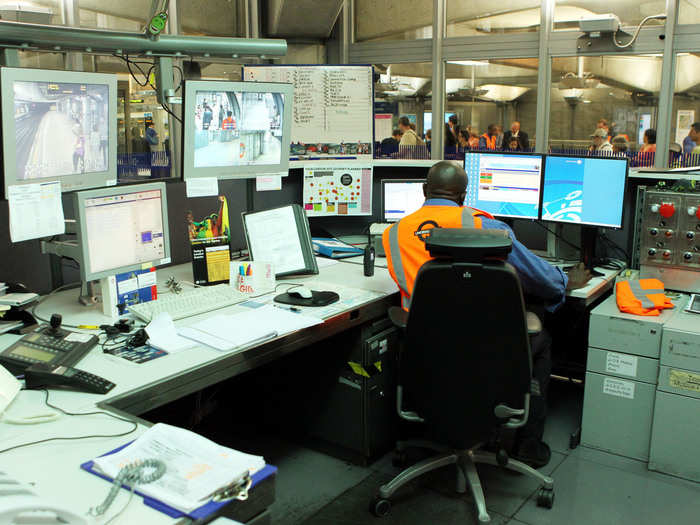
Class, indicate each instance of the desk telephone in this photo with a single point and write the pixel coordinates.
(46, 358)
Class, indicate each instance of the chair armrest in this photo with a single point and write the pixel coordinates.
(517, 416)
(534, 325)
(398, 316)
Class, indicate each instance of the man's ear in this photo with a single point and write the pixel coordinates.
(462, 196)
(425, 190)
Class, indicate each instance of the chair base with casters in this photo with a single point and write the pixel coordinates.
(465, 461)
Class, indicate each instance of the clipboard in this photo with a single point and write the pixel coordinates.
(199, 513)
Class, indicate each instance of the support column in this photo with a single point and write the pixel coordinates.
(174, 127)
(438, 100)
(668, 82)
(544, 77)
(346, 31)
(71, 17)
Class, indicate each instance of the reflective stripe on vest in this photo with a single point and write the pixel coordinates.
(398, 265)
(469, 220)
(490, 141)
(641, 293)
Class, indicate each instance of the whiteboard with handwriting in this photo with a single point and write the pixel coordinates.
(332, 109)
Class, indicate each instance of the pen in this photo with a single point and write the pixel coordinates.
(290, 308)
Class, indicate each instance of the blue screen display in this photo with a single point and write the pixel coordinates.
(584, 190)
(503, 184)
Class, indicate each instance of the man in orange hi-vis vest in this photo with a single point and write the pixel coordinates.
(445, 190)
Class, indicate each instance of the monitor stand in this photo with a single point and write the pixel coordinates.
(589, 236)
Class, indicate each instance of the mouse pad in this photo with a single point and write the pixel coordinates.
(316, 299)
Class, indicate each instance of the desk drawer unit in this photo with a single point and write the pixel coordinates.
(680, 344)
(674, 440)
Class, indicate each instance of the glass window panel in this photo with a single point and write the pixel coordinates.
(39, 12)
(125, 15)
(686, 111)
(689, 12)
(567, 13)
(615, 93)
(490, 95)
(481, 17)
(392, 20)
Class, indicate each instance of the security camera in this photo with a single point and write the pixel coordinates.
(607, 23)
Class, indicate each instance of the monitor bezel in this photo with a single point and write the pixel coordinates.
(513, 153)
(584, 157)
(392, 181)
(81, 226)
(69, 183)
(189, 171)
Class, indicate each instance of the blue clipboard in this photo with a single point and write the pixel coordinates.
(202, 512)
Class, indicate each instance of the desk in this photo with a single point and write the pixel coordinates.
(596, 287)
(54, 466)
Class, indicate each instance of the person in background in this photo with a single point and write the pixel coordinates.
(391, 144)
(428, 136)
(647, 151)
(408, 137)
(620, 146)
(513, 145)
(413, 127)
(473, 139)
(603, 124)
(152, 136)
(463, 139)
(499, 136)
(516, 132)
(138, 143)
(600, 142)
(692, 139)
(453, 127)
(488, 139)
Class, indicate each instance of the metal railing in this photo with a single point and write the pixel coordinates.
(139, 166)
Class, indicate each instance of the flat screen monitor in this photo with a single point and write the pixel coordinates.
(122, 229)
(236, 129)
(584, 190)
(401, 197)
(59, 125)
(504, 184)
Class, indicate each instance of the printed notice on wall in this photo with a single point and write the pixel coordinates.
(622, 364)
(619, 388)
(684, 380)
(36, 211)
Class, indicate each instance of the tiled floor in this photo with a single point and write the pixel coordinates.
(592, 488)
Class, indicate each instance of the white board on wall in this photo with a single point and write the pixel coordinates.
(332, 111)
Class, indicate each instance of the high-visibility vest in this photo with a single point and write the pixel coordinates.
(490, 141)
(404, 245)
(642, 297)
(228, 123)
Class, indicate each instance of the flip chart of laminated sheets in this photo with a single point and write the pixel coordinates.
(332, 113)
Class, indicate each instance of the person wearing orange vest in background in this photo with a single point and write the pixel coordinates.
(488, 139)
(229, 122)
(445, 189)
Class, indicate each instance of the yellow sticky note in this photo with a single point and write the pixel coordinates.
(378, 365)
(146, 266)
(358, 369)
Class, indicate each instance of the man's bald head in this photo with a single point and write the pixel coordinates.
(446, 180)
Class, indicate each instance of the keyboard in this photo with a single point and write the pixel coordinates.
(192, 302)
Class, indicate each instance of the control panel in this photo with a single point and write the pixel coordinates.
(670, 238)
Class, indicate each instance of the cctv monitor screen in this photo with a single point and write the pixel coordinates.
(59, 125)
(235, 129)
(401, 198)
(121, 229)
(504, 184)
(585, 190)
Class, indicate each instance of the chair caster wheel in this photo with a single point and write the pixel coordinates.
(545, 498)
(400, 459)
(380, 507)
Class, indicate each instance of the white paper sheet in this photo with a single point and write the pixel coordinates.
(323, 262)
(268, 182)
(36, 211)
(202, 187)
(163, 335)
(195, 466)
(273, 237)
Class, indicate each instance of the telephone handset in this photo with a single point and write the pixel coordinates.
(20, 504)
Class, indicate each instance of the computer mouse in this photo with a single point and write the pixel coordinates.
(301, 291)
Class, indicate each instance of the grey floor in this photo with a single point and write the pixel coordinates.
(592, 487)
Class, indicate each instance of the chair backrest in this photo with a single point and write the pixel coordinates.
(467, 348)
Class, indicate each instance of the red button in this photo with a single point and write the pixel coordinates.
(697, 213)
(667, 210)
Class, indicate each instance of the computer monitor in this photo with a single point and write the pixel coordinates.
(59, 125)
(401, 197)
(504, 184)
(236, 129)
(584, 190)
(122, 229)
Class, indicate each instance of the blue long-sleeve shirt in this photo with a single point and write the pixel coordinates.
(537, 277)
(688, 145)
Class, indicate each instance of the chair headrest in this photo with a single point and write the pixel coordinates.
(468, 244)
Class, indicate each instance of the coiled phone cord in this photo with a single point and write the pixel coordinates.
(137, 473)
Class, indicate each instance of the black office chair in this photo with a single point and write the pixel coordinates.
(465, 363)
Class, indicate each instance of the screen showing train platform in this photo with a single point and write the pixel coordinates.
(584, 190)
(60, 129)
(503, 184)
(237, 128)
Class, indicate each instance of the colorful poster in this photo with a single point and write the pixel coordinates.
(337, 190)
(209, 240)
